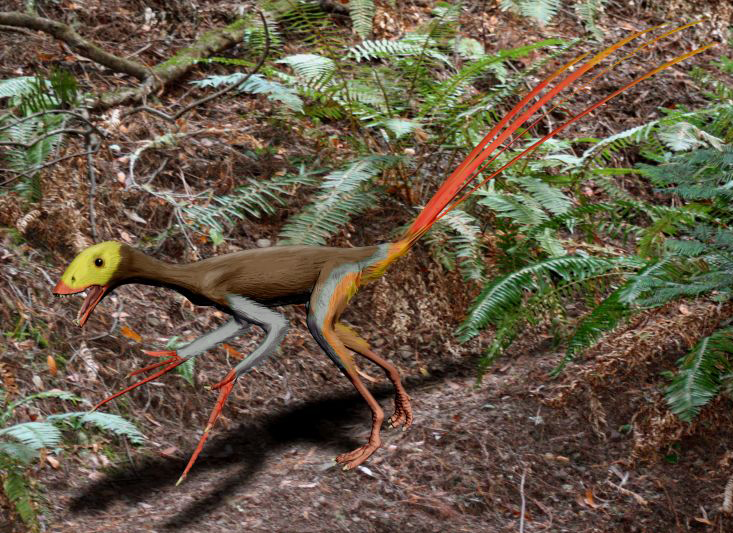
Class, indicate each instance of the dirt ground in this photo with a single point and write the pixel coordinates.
(592, 451)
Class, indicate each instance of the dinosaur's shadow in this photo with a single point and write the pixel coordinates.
(323, 422)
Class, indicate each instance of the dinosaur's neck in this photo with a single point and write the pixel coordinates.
(141, 268)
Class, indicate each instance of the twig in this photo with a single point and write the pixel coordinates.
(638, 497)
(76, 114)
(175, 67)
(524, 501)
(164, 140)
(158, 170)
(76, 42)
(113, 327)
(92, 142)
(727, 507)
(40, 167)
(208, 98)
(35, 141)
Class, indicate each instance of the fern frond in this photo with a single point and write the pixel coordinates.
(14, 88)
(315, 70)
(503, 294)
(521, 209)
(587, 11)
(307, 19)
(255, 200)
(543, 11)
(550, 198)
(456, 239)
(342, 196)
(362, 14)
(440, 95)
(384, 49)
(16, 489)
(53, 393)
(698, 379)
(111, 423)
(35, 435)
(256, 84)
(18, 452)
(602, 319)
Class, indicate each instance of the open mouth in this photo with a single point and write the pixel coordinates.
(94, 294)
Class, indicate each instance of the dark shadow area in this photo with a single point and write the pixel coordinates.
(324, 422)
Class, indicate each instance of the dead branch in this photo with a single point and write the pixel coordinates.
(727, 507)
(91, 143)
(76, 114)
(33, 142)
(75, 41)
(154, 78)
(217, 94)
(176, 67)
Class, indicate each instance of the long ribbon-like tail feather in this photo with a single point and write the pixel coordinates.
(462, 177)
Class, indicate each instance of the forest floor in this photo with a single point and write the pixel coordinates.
(592, 451)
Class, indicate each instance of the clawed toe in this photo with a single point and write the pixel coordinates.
(355, 458)
(402, 413)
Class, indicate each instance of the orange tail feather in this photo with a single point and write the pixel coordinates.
(461, 178)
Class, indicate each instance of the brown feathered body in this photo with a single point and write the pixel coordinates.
(270, 276)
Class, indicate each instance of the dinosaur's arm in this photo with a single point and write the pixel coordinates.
(228, 331)
(174, 358)
(245, 312)
(274, 324)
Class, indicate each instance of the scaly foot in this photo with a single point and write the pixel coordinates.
(402, 412)
(353, 459)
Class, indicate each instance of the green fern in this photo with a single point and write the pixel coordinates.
(385, 49)
(24, 122)
(21, 443)
(455, 240)
(312, 69)
(699, 377)
(542, 11)
(342, 196)
(257, 199)
(504, 294)
(256, 84)
(588, 11)
(18, 492)
(362, 14)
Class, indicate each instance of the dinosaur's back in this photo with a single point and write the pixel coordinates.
(281, 274)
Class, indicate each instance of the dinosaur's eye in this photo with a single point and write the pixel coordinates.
(98, 261)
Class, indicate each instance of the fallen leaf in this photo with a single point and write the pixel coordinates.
(132, 215)
(232, 352)
(684, 309)
(125, 237)
(589, 501)
(52, 368)
(704, 521)
(130, 334)
(53, 462)
(171, 452)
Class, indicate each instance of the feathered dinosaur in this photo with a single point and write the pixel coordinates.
(247, 285)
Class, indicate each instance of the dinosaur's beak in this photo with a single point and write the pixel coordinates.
(95, 293)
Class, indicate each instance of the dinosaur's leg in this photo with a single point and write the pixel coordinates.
(275, 326)
(229, 330)
(335, 286)
(402, 411)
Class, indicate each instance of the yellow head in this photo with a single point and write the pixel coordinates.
(94, 270)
